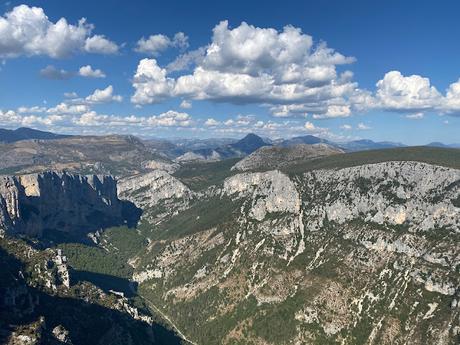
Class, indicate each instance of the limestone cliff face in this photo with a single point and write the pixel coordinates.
(149, 189)
(361, 255)
(32, 204)
(269, 192)
(417, 195)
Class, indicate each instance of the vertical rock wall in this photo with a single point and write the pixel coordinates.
(32, 204)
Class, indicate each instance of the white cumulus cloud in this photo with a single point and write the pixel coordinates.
(414, 95)
(170, 118)
(68, 109)
(285, 71)
(34, 109)
(211, 122)
(451, 103)
(185, 104)
(363, 127)
(28, 31)
(248, 64)
(334, 111)
(156, 44)
(415, 116)
(88, 72)
(400, 93)
(103, 96)
(98, 44)
(151, 83)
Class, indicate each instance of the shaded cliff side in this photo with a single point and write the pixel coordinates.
(36, 203)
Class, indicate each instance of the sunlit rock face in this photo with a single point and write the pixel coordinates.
(32, 204)
(148, 189)
(271, 192)
(349, 255)
(417, 195)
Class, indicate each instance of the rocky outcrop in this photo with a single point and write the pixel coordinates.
(149, 189)
(30, 334)
(269, 192)
(160, 165)
(61, 334)
(32, 204)
(62, 270)
(412, 194)
(195, 157)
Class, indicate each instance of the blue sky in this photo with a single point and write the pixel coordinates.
(341, 70)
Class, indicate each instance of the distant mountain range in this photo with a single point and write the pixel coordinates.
(249, 143)
(252, 142)
(438, 144)
(306, 139)
(240, 148)
(24, 133)
(214, 149)
(366, 144)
